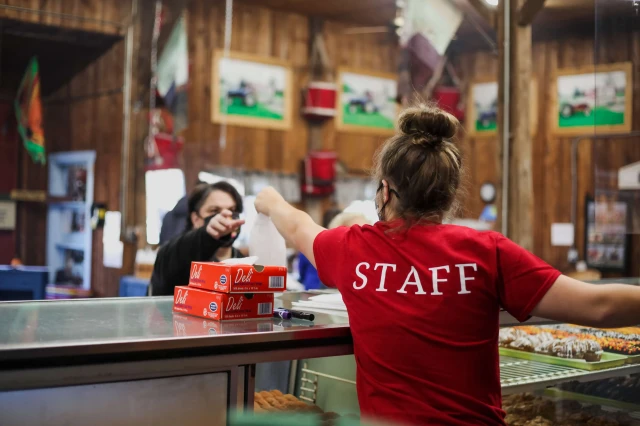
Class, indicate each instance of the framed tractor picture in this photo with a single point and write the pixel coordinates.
(596, 98)
(250, 90)
(366, 101)
(482, 108)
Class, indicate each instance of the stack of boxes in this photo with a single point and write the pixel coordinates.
(226, 292)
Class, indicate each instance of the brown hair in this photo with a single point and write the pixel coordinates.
(422, 163)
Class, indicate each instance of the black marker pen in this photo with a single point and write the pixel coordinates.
(302, 315)
(282, 313)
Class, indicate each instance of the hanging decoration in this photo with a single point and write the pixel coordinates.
(319, 97)
(428, 26)
(319, 174)
(28, 107)
(168, 79)
(173, 75)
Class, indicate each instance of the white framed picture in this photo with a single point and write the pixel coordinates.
(251, 90)
(366, 101)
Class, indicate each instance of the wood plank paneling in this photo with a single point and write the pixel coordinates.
(91, 122)
(285, 36)
(551, 154)
(106, 16)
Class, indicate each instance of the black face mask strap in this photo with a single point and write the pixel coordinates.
(391, 191)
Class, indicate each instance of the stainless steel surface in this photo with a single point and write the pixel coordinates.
(90, 327)
(519, 375)
(184, 400)
(43, 330)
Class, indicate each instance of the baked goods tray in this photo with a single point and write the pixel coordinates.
(521, 375)
(589, 399)
(608, 360)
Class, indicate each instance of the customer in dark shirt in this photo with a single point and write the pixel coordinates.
(212, 227)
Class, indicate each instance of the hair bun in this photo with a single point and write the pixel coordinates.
(427, 125)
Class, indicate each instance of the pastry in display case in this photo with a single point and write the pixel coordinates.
(598, 347)
(276, 402)
(545, 343)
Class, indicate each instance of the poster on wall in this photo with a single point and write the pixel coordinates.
(251, 91)
(482, 108)
(606, 239)
(366, 101)
(593, 98)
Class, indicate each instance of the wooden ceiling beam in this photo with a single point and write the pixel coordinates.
(528, 11)
(484, 11)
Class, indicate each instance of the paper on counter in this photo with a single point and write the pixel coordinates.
(332, 302)
(334, 297)
(306, 308)
(251, 260)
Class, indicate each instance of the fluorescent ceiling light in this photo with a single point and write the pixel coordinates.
(492, 2)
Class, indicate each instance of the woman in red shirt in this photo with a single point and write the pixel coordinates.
(423, 297)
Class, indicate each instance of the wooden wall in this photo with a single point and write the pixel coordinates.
(85, 114)
(256, 31)
(94, 123)
(551, 155)
(285, 36)
(104, 16)
(8, 173)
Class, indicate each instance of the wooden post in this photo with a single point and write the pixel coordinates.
(520, 181)
(528, 11)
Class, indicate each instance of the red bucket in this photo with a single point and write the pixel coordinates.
(447, 97)
(320, 100)
(322, 165)
(319, 173)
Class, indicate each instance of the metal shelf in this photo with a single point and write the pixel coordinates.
(516, 375)
(519, 375)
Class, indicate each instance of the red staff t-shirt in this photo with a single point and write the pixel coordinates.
(423, 308)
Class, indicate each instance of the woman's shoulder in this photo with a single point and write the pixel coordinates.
(471, 234)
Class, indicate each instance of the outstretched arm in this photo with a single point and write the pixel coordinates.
(294, 225)
(576, 302)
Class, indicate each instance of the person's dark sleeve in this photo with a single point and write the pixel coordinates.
(173, 261)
